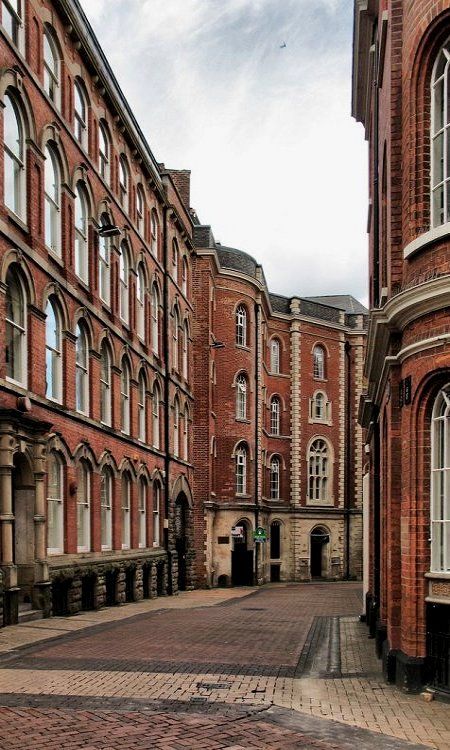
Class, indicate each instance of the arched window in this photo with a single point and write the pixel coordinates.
(12, 20)
(52, 197)
(275, 478)
(14, 158)
(55, 505)
(82, 370)
(319, 362)
(156, 400)
(80, 124)
(124, 281)
(16, 330)
(142, 508)
(275, 540)
(175, 259)
(320, 407)
(140, 302)
(275, 356)
(185, 363)
(125, 397)
(106, 481)
(105, 384)
(124, 183)
(241, 396)
(81, 234)
(142, 408)
(156, 507)
(104, 151)
(440, 138)
(184, 275)
(318, 471)
(440, 493)
(154, 234)
(53, 352)
(126, 511)
(241, 326)
(52, 68)
(176, 428)
(175, 340)
(83, 507)
(140, 210)
(155, 319)
(104, 264)
(275, 414)
(241, 470)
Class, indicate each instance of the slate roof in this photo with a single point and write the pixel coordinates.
(344, 302)
(237, 260)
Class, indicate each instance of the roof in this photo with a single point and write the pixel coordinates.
(345, 302)
(237, 260)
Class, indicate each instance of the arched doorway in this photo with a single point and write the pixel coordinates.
(181, 539)
(242, 556)
(319, 541)
(23, 507)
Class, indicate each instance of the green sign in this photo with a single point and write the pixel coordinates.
(259, 535)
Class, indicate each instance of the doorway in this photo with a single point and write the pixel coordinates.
(242, 558)
(438, 645)
(319, 540)
(23, 501)
(181, 541)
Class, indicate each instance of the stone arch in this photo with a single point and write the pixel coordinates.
(126, 466)
(11, 81)
(56, 443)
(181, 486)
(319, 550)
(80, 174)
(105, 336)
(106, 459)
(247, 446)
(54, 290)
(85, 452)
(16, 258)
(50, 136)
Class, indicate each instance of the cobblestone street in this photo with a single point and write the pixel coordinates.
(287, 666)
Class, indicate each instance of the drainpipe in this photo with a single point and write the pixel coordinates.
(348, 456)
(166, 329)
(376, 201)
(257, 432)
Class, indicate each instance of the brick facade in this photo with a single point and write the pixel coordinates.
(396, 48)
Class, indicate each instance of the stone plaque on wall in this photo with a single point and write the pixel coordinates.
(440, 589)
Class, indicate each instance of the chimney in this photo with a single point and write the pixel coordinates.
(182, 180)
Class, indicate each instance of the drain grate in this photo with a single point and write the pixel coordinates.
(214, 685)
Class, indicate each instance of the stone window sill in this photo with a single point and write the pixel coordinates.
(427, 238)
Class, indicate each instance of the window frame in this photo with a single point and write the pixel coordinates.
(275, 415)
(319, 362)
(124, 283)
(241, 460)
(52, 73)
(80, 118)
(16, 158)
(142, 513)
(81, 229)
(140, 210)
(58, 508)
(106, 508)
(125, 397)
(82, 380)
(104, 155)
(55, 352)
(156, 541)
(156, 416)
(126, 511)
(319, 472)
(241, 396)
(275, 356)
(274, 479)
(241, 325)
(105, 384)
(140, 301)
(52, 211)
(124, 183)
(85, 503)
(142, 407)
(439, 489)
(440, 186)
(21, 326)
(17, 23)
(104, 265)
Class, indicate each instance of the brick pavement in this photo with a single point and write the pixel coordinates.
(281, 648)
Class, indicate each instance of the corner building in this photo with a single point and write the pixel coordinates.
(401, 79)
(95, 325)
(276, 442)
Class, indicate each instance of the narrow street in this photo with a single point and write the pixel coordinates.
(287, 666)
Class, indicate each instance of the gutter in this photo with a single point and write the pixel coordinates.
(257, 433)
(166, 329)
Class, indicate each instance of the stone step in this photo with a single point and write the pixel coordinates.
(26, 614)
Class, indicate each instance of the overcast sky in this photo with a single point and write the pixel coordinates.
(278, 165)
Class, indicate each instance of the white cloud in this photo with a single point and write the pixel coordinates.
(278, 166)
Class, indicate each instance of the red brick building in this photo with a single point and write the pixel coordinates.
(95, 320)
(276, 442)
(401, 79)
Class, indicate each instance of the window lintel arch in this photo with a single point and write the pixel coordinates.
(83, 318)
(126, 467)
(57, 444)
(327, 442)
(14, 260)
(50, 139)
(242, 444)
(278, 456)
(107, 461)
(11, 85)
(84, 452)
(52, 292)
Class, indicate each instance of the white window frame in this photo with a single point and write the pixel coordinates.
(241, 470)
(185, 353)
(175, 340)
(175, 260)
(241, 396)
(241, 325)
(106, 481)
(154, 233)
(156, 423)
(84, 508)
(15, 329)
(124, 283)
(17, 22)
(52, 213)
(319, 472)
(81, 235)
(142, 408)
(55, 507)
(275, 357)
(53, 352)
(142, 511)
(80, 114)
(155, 319)
(82, 371)
(104, 154)
(439, 484)
(126, 511)
(319, 362)
(156, 514)
(125, 423)
(104, 267)
(184, 275)
(440, 139)
(275, 467)
(186, 434)
(124, 183)
(140, 302)
(14, 154)
(140, 209)
(52, 68)
(176, 428)
(275, 415)
(105, 385)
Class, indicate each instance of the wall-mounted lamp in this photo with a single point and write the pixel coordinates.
(109, 230)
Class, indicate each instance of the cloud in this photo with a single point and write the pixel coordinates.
(278, 166)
